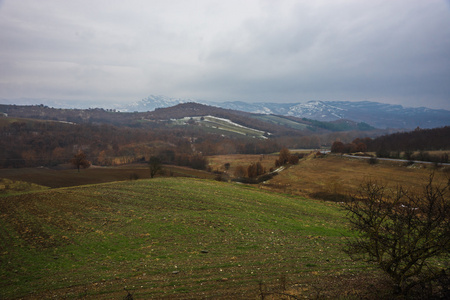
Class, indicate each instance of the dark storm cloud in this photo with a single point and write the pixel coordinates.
(292, 51)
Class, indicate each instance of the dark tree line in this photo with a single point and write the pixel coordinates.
(31, 143)
(417, 140)
(406, 145)
(357, 145)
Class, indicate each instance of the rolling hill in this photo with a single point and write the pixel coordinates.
(171, 238)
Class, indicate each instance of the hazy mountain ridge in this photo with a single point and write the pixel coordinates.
(153, 102)
(380, 115)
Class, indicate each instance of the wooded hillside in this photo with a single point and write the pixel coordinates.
(43, 136)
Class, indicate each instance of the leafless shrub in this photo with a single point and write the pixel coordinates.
(406, 234)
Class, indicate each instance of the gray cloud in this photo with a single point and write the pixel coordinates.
(387, 51)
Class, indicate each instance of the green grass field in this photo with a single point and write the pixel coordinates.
(173, 238)
(282, 121)
(219, 126)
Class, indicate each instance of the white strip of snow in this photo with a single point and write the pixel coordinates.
(234, 124)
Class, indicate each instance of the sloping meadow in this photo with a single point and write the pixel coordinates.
(168, 237)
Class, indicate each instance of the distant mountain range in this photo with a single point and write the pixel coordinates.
(212, 119)
(379, 115)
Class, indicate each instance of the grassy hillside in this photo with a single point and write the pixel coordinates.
(8, 186)
(283, 121)
(174, 238)
(70, 177)
(220, 126)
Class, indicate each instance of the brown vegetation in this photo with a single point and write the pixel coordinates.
(403, 232)
(334, 177)
(79, 160)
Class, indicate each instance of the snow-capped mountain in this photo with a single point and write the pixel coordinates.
(317, 110)
(380, 115)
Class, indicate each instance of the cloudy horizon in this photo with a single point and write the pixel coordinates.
(100, 51)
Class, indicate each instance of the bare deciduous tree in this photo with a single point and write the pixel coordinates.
(80, 160)
(284, 156)
(255, 169)
(155, 166)
(240, 171)
(406, 234)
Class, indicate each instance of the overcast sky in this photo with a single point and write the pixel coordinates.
(392, 51)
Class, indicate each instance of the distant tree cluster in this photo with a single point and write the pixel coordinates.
(357, 145)
(404, 145)
(285, 157)
(417, 140)
(252, 171)
(35, 143)
(256, 169)
(256, 172)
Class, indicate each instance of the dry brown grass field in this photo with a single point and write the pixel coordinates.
(332, 176)
(336, 175)
(217, 162)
